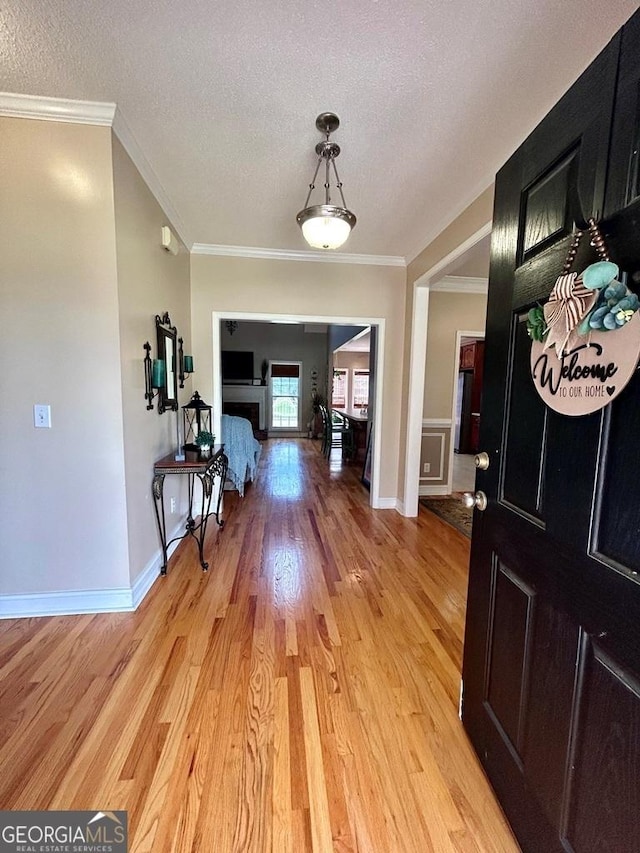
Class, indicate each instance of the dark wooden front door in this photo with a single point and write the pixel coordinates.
(551, 696)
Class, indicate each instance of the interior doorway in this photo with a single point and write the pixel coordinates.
(375, 500)
(465, 414)
(417, 364)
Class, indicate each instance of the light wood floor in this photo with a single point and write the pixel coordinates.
(301, 696)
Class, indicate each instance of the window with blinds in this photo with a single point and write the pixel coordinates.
(285, 394)
(360, 389)
(339, 390)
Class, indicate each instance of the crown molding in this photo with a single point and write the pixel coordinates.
(133, 149)
(460, 284)
(56, 109)
(290, 255)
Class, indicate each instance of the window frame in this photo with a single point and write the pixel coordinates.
(335, 404)
(359, 371)
(287, 362)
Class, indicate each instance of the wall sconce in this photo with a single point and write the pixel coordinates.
(154, 376)
(230, 326)
(161, 374)
(185, 363)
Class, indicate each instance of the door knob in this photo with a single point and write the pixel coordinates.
(482, 461)
(477, 500)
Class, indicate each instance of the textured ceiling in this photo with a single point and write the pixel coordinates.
(222, 98)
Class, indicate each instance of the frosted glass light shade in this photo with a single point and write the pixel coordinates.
(325, 226)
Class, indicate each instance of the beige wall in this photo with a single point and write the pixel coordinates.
(351, 360)
(477, 214)
(63, 515)
(150, 281)
(83, 275)
(448, 314)
(308, 289)
(470, 220)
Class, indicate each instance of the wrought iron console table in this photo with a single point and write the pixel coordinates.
(206, 470)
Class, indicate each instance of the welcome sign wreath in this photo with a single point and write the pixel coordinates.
(586, 338)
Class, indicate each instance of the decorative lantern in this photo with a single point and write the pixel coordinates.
(197, 418)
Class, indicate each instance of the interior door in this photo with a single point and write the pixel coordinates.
(551, 673)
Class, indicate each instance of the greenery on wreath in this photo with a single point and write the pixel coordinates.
(536, 324)
(613, 308)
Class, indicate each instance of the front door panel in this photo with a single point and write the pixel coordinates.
(552, 646)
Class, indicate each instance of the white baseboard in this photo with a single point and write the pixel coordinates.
(427, 491)
(68, 603)
(75, 602)
(385, 503)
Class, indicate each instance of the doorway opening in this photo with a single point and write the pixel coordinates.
(465, 417)
(254, 386)
(431, 280)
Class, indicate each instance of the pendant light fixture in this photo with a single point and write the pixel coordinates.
(326, 226)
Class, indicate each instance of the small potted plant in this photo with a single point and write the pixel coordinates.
(205, 441)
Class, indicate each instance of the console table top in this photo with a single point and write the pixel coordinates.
(168, 465)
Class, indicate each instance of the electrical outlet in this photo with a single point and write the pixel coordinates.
(42, 416)
(426, 468)
(173, 505)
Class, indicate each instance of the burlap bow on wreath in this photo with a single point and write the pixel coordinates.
(581, 303)
(569, 303)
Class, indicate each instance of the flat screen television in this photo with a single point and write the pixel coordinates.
(237, 366)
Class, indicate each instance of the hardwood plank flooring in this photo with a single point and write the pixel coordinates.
(300, 696)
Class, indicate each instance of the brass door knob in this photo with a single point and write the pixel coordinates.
(482, 461)
(478, 500)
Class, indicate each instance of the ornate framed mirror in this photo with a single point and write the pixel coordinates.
(168, 352)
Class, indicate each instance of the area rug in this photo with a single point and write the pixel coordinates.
(451, 510)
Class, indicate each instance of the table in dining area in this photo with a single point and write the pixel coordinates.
(358, 422)
(206, 470)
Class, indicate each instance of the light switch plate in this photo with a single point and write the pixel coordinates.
(42, 416)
